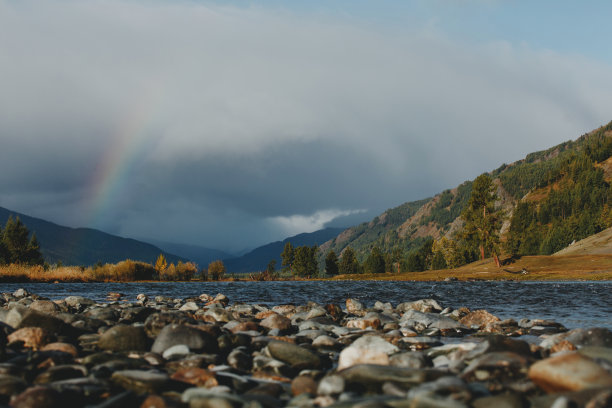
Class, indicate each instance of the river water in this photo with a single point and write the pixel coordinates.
(574, 304)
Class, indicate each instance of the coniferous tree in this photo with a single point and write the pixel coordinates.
(33, 254)
(331, 264)
(482, 220)
(15, 239)
(375, 263)
(4, 254)
(348, 262)
(287, 256)
(305, 261)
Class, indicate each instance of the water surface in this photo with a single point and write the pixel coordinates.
(574, 304)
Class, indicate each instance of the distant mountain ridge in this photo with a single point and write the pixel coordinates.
(258, 259)
(85, 246)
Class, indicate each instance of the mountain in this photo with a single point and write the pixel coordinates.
(550, 198)
(258, 259)
(85, 246)
(198, 254)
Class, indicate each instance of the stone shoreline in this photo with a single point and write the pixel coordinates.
(205, 352)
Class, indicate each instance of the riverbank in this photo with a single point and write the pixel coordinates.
(526, 268)
(206, 351)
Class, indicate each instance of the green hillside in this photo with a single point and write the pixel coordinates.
(549, 199)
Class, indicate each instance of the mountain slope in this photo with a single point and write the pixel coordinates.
(85, 246)
(258, 259)
(574, 176)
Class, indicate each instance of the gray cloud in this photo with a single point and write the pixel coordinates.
(221, 121)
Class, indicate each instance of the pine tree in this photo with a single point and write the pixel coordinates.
(375, 263)
(348, 262)
(287, 256)
(331, 264)
(482, 220)
(15, 240)
(33, 254)
(305, 261)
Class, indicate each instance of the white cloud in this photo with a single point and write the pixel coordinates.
(298, 223)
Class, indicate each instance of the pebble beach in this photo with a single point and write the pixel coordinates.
(208, 351)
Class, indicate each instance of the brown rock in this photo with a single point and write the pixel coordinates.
(63, 347)
(32, 337)
(276, 321)
(303, 384)
(154, 401)
(354, 306)
(196, 376)
(285, 310)
(563, 346)
(363, 323)
(244, 326)
(478, 318)
(39, 397)
(569, 372)
(264, 314)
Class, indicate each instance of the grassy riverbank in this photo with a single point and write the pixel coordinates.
(537, 268)
(527, 268)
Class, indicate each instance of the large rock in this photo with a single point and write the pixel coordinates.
(430, 320)
(32, 337)
(174, 334)
(569, 372)
(51, 324)
(78, 303)
(371, 376)
(422, 305)
(296, 356)
(479, 318)
(123, 338)
(276, 321)
(366, 350)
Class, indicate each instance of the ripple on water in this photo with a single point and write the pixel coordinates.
(575, 304)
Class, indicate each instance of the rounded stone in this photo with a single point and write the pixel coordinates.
(276, 321)
(174, 334)
(32, 337)
(123, 338)
(303, 384)
(296, 356)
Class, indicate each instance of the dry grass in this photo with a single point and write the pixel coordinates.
(22, 273)
(124, 271)
(571, 267)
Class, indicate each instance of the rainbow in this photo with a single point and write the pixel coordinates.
(127, 147)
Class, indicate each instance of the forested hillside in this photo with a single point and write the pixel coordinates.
(545, 202)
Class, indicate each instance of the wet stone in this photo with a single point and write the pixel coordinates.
(303, 384)
(569, 372)
(366, 350)
(146, 381)
(296, 356)
(175, 334)
(123, 338)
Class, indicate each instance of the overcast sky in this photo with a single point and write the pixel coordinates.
(232, 124)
